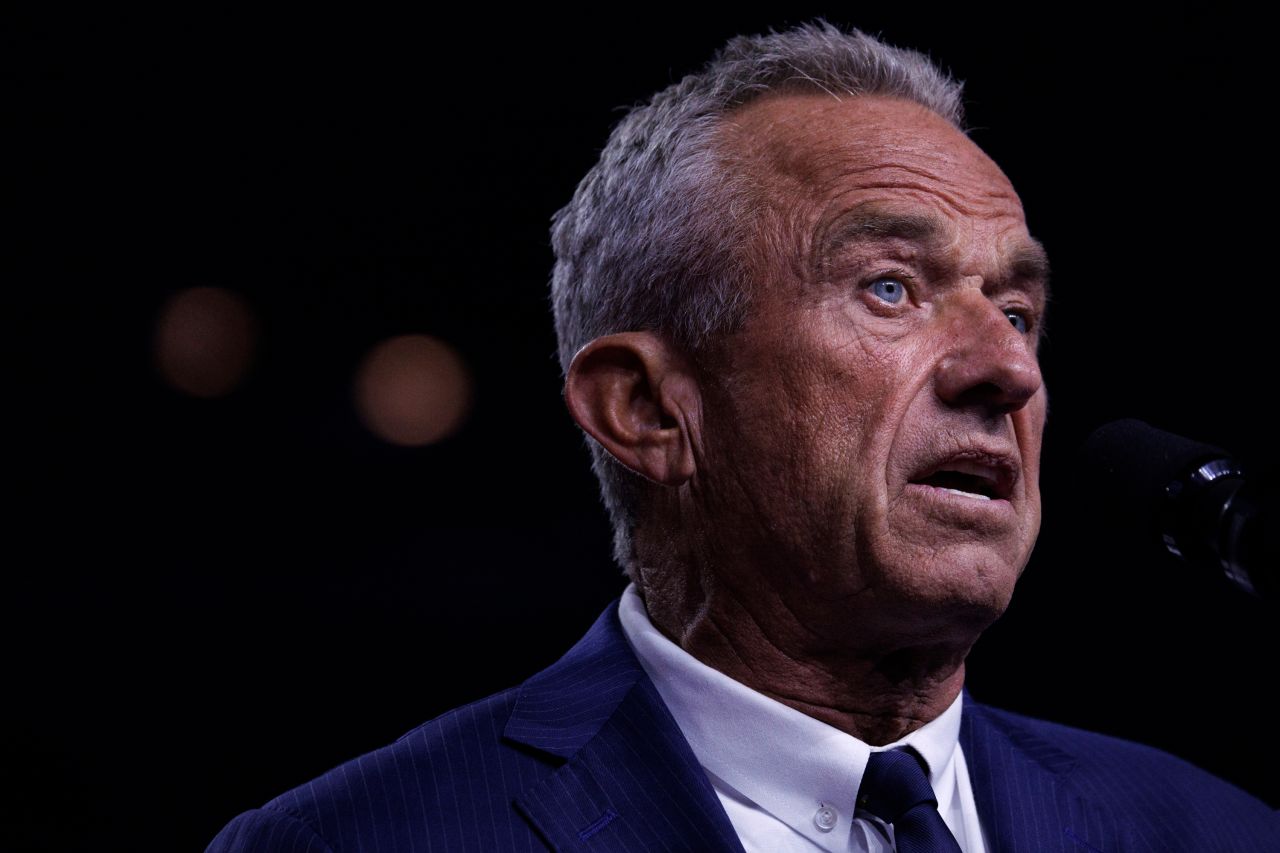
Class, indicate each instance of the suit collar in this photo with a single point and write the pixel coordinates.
(1023, 791)
(628, 781)
(562, 708)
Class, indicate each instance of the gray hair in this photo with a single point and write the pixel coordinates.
(654, 238)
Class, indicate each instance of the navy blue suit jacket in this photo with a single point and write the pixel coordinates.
(585, 756)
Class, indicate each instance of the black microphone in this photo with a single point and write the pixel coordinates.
(1195, 497)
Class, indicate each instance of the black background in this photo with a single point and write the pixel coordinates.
(210, 601)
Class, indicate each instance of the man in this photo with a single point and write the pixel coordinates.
(798, 313)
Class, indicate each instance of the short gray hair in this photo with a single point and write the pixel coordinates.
(654, 238)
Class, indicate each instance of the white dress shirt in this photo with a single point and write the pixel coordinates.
(788, 781)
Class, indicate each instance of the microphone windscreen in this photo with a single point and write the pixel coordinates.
(1126, 465)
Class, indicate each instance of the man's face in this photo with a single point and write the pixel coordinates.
(873, 432)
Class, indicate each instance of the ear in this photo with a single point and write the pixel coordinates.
(636, 394)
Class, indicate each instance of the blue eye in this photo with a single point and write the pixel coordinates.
(1019, 321)
(889, 289)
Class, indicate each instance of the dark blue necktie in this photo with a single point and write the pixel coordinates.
(896, 790)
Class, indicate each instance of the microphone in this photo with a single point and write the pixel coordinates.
(1194, 496)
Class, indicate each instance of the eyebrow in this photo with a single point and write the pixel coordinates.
(863, 223)
(871, 224)
(1028, 261)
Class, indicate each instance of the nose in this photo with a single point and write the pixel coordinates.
(987, 363)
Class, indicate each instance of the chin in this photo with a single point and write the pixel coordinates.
(954, 593)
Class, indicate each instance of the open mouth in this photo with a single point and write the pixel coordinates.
(978, 476)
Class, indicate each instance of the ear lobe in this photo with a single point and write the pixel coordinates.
(635, 394)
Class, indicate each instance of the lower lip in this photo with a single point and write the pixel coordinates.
(948, 505)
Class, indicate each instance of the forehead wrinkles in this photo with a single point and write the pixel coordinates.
(958, 179)
(809, 158)
(808, 139)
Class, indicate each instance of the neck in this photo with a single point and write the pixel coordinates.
(875, 689)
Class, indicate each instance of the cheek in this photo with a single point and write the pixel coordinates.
(862, 388)
(881, 392)
(1030, 429)
(841, 404)
(813, 410)
(760, 427)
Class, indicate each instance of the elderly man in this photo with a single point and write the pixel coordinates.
(798, 312)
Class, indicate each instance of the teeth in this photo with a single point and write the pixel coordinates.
(972, 468)
(967, 494)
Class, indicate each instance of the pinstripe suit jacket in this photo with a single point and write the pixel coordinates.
(584, 756)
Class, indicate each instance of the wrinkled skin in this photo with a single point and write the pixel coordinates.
(800, 557)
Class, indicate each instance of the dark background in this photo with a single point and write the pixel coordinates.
(210, 601)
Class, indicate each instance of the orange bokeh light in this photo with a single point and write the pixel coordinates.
(205, 339)
(413, 390)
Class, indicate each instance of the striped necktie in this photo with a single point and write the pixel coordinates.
(896, 790)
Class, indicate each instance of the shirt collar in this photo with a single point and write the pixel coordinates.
(786, 762)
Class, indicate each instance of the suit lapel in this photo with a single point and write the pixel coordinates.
(629, 781)
(1020, 784)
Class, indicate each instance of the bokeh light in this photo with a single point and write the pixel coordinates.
(205, 340)
(413, 390)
